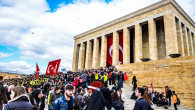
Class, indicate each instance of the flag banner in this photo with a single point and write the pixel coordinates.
(151, 86)
(109, 49)
(52, 67)
(152, 90)
(165, 88)
(120, 48)
(37, 70)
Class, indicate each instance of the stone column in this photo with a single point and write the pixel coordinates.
(95, 54)
(88, 55)
(193, 42)
(82, 56)
(170, 35)
(75, 58)
(187, 41)
(115, 56)
(180, 40)
(126, 46)
(138, 43)
(152, 40)
(190, 43)
(103, 51)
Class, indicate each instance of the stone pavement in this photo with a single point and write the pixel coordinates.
(129, 103)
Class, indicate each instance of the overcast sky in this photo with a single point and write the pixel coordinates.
(42, 30)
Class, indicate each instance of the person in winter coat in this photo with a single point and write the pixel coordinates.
(66, 102)
(110, 78)
(3, 98)
(134, 82)
(49, 95)
(19, 100)
(39, 99)
(75, 82)
(120, 84)
(141, 103)
(96, 102)
(54, 96)
(117, 104)
(107, 96)
(168, 94)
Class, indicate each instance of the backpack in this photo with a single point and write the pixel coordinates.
(178, 101)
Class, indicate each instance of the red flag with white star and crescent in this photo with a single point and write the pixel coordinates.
(109, 49)
(52, 68)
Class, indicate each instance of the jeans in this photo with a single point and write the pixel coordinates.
(49, 108)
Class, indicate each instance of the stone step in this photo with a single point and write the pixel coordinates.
(129, 103)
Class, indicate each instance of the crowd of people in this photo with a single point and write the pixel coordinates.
(64, 91)
(152, 97)
(72, 91)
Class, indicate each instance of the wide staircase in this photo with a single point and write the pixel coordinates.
(130, 103)
(178, 73)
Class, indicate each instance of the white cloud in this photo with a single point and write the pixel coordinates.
(53, 33)
(20, 66)
(4, 55)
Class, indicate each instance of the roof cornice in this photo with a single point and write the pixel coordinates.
(139, 12)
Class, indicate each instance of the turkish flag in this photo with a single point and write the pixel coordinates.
(109, 49)
(120, 48)
(37, 70)
(52, 67)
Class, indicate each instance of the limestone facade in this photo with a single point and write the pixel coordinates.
(179, 73)
(159, 30)
(153, 32)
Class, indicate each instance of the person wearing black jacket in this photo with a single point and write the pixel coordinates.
(168, 95)
(117, 104)
(96, 102)
(3, 98)
(134, 82)
(113, 78)
(39, 99)
(107, 96)
(141, 104)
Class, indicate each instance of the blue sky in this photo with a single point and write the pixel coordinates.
(42, 30)
(54, 4)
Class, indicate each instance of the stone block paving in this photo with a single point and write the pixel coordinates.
(129, 103)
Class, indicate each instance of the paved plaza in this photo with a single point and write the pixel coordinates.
(129, 103)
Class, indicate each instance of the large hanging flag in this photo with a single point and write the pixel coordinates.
(120, 48)
(52, 67)
(109, 49)
(37, 70)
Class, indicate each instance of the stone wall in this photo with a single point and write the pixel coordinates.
(178, 72)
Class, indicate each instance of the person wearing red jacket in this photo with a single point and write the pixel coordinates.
(110, 78)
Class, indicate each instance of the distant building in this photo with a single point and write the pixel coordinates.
(9, 75)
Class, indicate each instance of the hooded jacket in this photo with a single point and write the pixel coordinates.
(19, 103)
